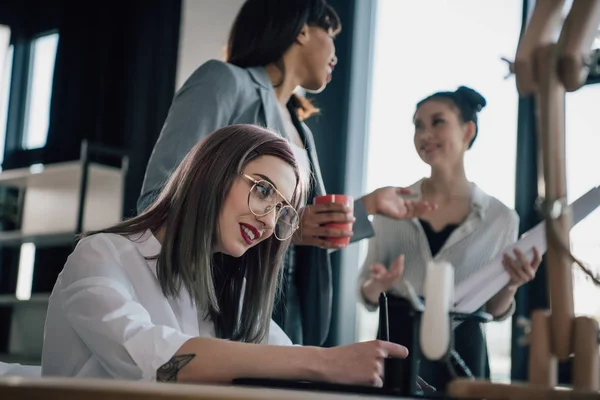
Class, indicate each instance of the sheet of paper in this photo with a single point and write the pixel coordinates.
(474, 292)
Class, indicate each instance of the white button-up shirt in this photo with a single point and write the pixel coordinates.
(488, 229)
(107, 316)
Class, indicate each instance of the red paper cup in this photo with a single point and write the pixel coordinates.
(338, 199)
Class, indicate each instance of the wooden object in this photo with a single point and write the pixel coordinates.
(549, 69)
(18, 388)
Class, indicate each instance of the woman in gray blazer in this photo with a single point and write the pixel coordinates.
(274, 47)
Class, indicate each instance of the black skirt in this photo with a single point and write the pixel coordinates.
(469, 342)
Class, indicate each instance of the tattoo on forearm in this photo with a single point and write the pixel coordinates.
(168, 372)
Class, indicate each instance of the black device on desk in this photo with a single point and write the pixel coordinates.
(404, 329)
(335, 388)
(399, 378)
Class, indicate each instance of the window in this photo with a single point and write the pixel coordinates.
(25, 97)
(39, 93)
(582, 144)
(431, 45)
(6, 59)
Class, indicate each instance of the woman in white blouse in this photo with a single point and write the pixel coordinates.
(468, 228)
(185, 290)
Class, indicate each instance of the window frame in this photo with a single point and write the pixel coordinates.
(15, 156)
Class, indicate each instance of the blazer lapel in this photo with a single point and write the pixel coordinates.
(269, 101)
(309, 144)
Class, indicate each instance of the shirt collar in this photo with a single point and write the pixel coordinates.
(479, 199)
(147, 244)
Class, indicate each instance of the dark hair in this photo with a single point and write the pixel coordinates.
(189, 206)
(468, 101)
(265, 29)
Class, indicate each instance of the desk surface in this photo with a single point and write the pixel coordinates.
(95, 389)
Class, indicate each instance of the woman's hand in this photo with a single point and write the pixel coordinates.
(312, 231)
(382, 279)
(359, 363)
(389, 201)
(520, 269)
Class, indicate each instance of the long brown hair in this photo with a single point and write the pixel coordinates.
(189, 207)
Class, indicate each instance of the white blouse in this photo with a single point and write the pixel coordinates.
(108, 318)
(487, 230)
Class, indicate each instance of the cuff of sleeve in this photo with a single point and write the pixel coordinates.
(508, 313)
(152, 348)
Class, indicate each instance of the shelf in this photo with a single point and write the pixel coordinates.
(52, 201)
(23, 359)
(16, 239)
(53, 175)
(55, 201)
(11, 300)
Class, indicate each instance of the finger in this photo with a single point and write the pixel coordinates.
(326, 232)
(537, 258)
(515, 270)
(378, 270)
(380, 370)
(323, 243)
(405, 191)
(335, 217)
(525, 266)
(378, 276)
(530, 272)
(423, 207)
(420, 209)
(521, 257)
(514, 279)
(410, 209)
(394, 349)
(329, 207)
(378, 382)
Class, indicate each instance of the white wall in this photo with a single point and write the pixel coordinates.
(205, 27)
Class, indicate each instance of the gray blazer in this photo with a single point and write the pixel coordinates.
(218, 94)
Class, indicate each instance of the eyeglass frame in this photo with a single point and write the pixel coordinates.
(288, 204)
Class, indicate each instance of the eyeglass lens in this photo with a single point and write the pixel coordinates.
(263, 199)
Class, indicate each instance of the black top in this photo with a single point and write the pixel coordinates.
(437, 239)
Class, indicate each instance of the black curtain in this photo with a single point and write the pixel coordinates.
(113, 84)
(114, 80)
(330, 129)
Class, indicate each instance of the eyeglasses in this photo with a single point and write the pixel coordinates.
(263, 198)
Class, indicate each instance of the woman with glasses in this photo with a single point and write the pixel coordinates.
(275, 47)
(185, 291)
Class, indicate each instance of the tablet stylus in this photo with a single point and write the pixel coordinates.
(383, 317)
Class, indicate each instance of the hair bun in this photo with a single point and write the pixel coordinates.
(471, 97)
